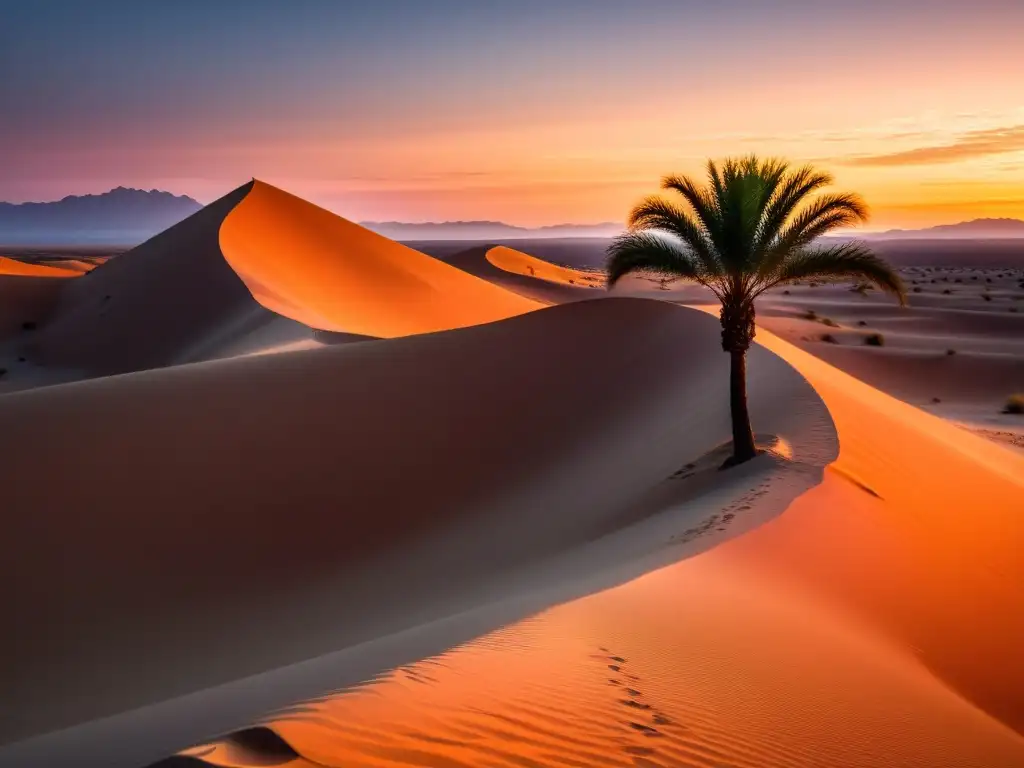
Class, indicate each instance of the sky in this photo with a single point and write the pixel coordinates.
(531, 112)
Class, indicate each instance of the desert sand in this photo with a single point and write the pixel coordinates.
(299, 514)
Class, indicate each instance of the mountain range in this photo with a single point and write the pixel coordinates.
(125, 216)
(978, 229)
(121, 216)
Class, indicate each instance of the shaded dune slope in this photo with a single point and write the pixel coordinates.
(28, 292)
(308, 264)
(26, 299)
(912, 502)
(272, 484)
(876, 622)
(147, 307)
(257, 262)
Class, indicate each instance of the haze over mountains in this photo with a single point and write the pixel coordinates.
(121, 216)
(486, 230)
(126, 216)
(976, 229)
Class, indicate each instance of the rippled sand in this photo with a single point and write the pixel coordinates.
(655, 673)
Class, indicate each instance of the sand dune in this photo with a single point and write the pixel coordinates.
(270, 485)
(146, 307)
(340, 276)
(28, 293)
(26, 269)
(876, 622)
(242, 534)
(511, 269)
(174, 298)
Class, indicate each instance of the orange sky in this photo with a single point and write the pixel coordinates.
(530, 112)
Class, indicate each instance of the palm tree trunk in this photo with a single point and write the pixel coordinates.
(742, 435)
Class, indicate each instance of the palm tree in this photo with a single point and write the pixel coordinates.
(752, 226)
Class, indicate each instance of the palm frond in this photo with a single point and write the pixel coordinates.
(824, 214)
(701, 200)
(647, 252)
(839, 262)
(789, 193)
(747, 185)
(657, 213)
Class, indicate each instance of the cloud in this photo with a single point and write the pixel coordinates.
(994, 141)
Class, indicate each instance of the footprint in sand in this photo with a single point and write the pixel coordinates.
(635, 701)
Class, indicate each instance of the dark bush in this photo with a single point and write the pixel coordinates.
(875, 340)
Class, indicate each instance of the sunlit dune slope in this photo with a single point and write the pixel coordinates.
(26, 269)
(487, 468)
(918, 530)
(527, 275)
(258, 253)
(521, 263)
(877, 623)
(147, 307)
(308, 264)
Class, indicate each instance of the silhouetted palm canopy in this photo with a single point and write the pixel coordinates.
(753, 225)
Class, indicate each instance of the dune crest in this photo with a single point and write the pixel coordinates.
(10, 266)
(578, 488)
(308, 264)
(855, 629)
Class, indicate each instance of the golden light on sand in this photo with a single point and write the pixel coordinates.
(849, 598)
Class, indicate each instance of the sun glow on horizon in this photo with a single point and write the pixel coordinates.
(559, 115)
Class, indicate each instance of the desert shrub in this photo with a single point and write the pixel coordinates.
(1014, 404)
(862, 323)
(785, 293)
(986, 297)
(810, 314)
(875, 340)
(3, 372)
(828, 338)
(829, 322)
(946, 291)
(950, 352)
(936, 400)
(917, 290)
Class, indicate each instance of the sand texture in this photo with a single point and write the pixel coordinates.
(348, 504)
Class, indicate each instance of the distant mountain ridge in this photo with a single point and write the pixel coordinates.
(127, 216)
(975, 229)
(122, 216)
(486, 230)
